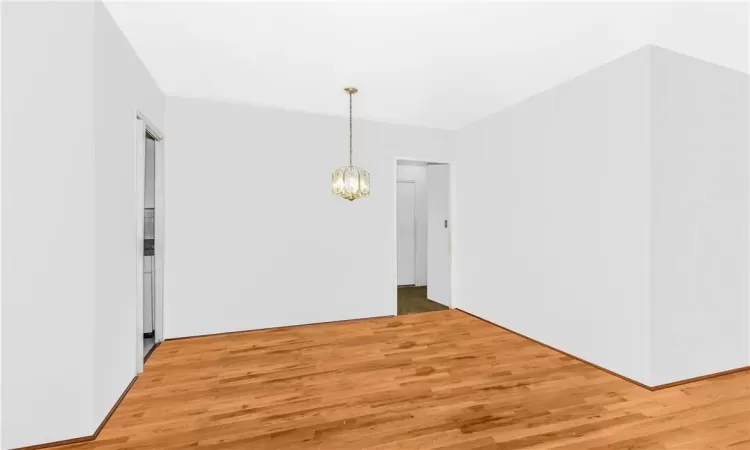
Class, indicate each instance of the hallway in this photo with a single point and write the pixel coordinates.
(413, 299)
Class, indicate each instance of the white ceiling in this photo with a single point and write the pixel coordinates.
(439, 65)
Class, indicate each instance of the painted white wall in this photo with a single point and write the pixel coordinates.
(1, 225)
(48, 222)
(620, 213)
(416, 171)
(68, 224)
(258, 241)
(150, 174)
(699, 218)
(122, 85)
(553, 200)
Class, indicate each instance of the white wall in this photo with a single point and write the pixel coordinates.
(699, 218)
(416, 171)
(258, 240)
(617, 218)
(1, 226)
(150, 162)
(553, 200)
(48, 222)
(68, 217)
(122, 86)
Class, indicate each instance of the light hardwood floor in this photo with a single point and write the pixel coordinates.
(437, 380)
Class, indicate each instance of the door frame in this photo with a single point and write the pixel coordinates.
(144, 126)
(452, 217)
(416, 241)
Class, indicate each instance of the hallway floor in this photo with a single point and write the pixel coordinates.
(414, 300)
(148, 344)
(438, 380)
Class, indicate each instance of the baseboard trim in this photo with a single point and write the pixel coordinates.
(650, 388)
(229, 333)
(79, 440)
(114, 407)
(84, 438)
(127, 389)
(701, 378)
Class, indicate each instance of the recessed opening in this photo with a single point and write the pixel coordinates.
(423, 236)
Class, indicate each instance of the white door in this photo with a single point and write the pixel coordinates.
(159, 242)
(406, 229)
(438, 234)
(148, 294)
(140, 188)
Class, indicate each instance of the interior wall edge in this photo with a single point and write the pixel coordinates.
(90, 437)
(198, 336)
(628, 379)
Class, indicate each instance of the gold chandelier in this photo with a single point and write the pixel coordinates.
(351, 182)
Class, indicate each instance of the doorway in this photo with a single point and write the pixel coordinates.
(149, 281)
(406, 200)
(149, 212)
(422, 236)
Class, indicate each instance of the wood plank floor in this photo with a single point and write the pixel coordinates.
(437, 380)
(413, 299)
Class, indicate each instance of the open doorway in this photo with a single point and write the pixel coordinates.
(423, 275)
(149, 239)
(149, 280)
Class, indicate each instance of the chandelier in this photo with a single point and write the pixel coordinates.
(351, 182)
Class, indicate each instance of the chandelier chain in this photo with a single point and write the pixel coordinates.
(350, 128)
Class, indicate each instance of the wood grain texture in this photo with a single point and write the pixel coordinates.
(437, 380)
(651, 388)
(414, 299)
